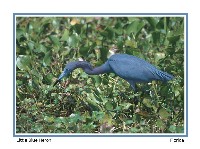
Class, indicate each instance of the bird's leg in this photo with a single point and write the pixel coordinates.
(136, 91)
(136, 99)
(132, 84)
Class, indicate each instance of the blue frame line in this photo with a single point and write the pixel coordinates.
(108, 14)
(96, 135)
(14, 77)
(186, 75)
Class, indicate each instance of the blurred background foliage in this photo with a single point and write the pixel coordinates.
(100, 103)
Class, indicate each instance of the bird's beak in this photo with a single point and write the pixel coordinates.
(56, 82)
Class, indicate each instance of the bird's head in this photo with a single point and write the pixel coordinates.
(87, 67)
(66, 72)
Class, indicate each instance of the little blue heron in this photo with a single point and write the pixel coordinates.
(128, 67)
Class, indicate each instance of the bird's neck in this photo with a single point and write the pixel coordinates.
(87, 67)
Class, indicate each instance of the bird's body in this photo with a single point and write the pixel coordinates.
(128, 67)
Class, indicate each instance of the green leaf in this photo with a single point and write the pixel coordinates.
(131, 44)
(31, 45)
(47, 59)
(77, 28)
(110, 33)
(97, 80)
(84, 50)
(104, 53)
(163, 113)
(160, 24)
(73, 40)
(180, 129)
(130, 28)
(66, 51)
(98, 115)
(105, 81)
(172, 128)
(49, 119)
(19, 33)
(135, 130)
(23, 62)
(126, 105)
(40, 48)
(48, 78)
(156, 37)
(97, 95)
(120, 43)
(93, 104)
(75, 118)
(135, 27)
(173, 39)
(38, 128)
(160, 124)
(118, 28)
(128, 122)
(159, 56)
(147, 102)
(65, 35)
(109, 105)
(177, 92)
(164, 90)
(152, 22)
(55, 40)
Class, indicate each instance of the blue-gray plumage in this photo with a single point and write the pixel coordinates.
(128, 67)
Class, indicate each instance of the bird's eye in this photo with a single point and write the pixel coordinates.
(66, 69)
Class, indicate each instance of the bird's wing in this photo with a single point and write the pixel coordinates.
(132, 68)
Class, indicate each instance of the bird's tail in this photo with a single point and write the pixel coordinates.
(164, 76)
